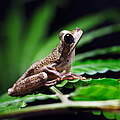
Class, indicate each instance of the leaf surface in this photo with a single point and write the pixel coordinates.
(92, 67)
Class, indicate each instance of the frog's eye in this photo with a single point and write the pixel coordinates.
(68, 38)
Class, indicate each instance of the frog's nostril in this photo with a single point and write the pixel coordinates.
(78, 29)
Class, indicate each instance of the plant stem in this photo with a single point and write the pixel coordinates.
(105, 105)
(62, 97)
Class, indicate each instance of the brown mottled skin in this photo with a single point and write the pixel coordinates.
(54, 67)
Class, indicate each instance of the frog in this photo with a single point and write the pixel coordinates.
(53, 68)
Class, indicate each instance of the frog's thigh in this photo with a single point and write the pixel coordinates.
(40, 77)
(36, 80)
(28, 84)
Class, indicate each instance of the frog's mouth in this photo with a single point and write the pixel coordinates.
(77, 33)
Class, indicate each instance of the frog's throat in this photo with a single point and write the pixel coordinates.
(77, 33)
(73, 47)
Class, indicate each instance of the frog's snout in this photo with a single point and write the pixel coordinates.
(77, 29)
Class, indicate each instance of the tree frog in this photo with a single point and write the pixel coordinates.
(53, 68)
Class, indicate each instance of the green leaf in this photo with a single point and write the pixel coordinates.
(92, 20)
(96, 112)
(88, 83)
(109, 115)
(117, 116)
(1, 69)
(112, 14)
(8, 103)
(93, 53)
(96, 92)
(62, 83)
(13, 28)
(12, 31)
(88, 37)
(92, 67)
(15, 105)
(67, 84)
(100, 81)
(34, 38)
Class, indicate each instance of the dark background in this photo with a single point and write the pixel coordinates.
(66, 12)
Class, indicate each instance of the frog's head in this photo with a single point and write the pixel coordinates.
(70, 38)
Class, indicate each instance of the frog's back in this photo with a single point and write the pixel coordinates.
(53, 57)
(37, 66)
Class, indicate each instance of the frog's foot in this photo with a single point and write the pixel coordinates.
(52, 82)
(72, 76)
(79, 77)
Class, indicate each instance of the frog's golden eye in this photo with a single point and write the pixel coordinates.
(68, 38)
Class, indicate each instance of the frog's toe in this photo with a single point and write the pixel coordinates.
(82, 78)
(51, 83)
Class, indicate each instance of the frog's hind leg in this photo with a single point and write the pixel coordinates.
(28, 85)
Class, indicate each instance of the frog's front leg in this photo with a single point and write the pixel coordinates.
(28, 85)
(52, 70)
(71, 76)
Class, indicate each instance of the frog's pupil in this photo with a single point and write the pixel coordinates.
(68, 38)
